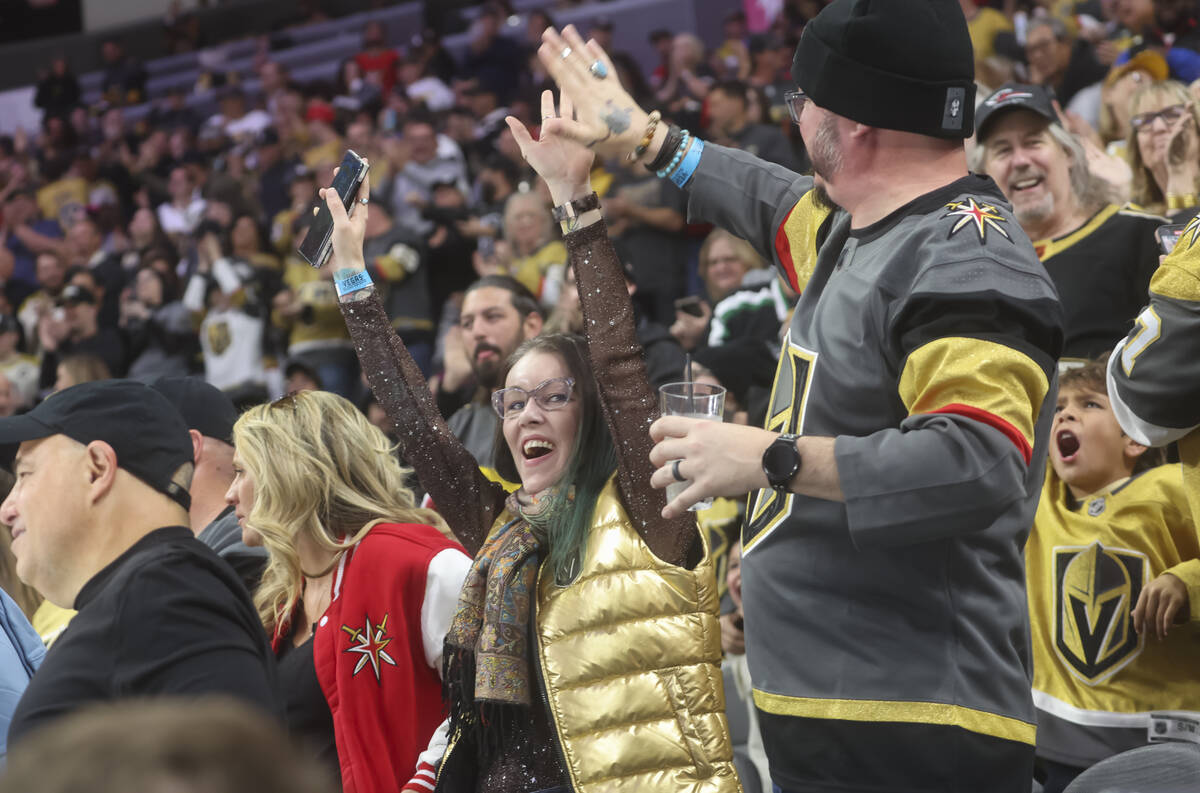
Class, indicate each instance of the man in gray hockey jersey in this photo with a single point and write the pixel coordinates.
(904, 450)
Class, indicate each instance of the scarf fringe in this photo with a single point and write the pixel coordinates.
(486, 725)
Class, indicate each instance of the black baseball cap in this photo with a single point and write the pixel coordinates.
(204, 407)
(1015, 96)
(143, 428)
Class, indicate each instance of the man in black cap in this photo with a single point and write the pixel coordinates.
(887, 630)
(76, 330)
(1100, 255)
(99, 519)
(210, 416)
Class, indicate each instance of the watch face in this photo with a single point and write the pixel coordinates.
(782, 460)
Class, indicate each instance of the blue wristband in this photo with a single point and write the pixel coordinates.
(688, 166)
(359, 280)
(683, 144)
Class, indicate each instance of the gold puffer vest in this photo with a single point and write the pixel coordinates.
(630, 653)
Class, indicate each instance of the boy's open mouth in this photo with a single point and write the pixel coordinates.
(1068, 445)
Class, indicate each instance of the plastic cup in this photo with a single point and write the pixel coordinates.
(694, 401)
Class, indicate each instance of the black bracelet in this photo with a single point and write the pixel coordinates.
(672, 142)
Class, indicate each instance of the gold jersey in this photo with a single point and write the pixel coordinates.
(1087, 562)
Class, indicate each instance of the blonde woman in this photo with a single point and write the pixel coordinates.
(538, 257)
(360, 586)
(1164, 148)
(724, 262)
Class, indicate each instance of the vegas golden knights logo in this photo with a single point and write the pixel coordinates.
(219, 337)
(1095, 590)
(767, 508)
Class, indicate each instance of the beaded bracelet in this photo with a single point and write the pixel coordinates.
(360, 280)
(670, 145)
(687, 166)
(683, 145)
(651, 126)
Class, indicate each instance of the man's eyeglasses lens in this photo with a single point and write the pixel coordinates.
(1168, 114)
(795, 101)
(550, 395)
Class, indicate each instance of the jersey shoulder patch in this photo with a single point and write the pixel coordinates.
(975, 219)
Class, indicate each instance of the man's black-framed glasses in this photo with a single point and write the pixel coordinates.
(795, 103)
(550, 395)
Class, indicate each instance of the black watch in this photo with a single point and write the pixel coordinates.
(781, 462)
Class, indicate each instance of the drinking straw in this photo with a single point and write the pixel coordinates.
(690, 389)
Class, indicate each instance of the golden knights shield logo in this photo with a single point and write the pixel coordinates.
(767, 508)
(1095, 590)
(219, 337)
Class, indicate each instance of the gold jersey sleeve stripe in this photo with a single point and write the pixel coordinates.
(993, 380)
(875, 710)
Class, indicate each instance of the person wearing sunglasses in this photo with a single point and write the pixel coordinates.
(585, 651)
(359, 588)
(1164, 150)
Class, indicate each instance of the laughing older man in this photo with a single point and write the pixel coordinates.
(1099, 255)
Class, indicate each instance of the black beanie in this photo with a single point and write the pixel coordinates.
(896, 64)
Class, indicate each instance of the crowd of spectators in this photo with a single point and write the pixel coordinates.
(167, 247)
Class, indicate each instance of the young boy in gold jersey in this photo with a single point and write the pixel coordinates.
(1113, 564)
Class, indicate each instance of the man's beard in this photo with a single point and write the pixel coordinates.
(821, 198)
(1028, 212)
(826, 149)
(487, 373)
(826, 156)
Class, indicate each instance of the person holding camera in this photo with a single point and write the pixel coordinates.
(157, 326)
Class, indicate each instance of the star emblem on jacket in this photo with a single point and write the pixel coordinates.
(979, 216)
(370, 642)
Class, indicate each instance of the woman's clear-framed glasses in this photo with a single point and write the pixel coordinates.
(551, 394)
(795, 103)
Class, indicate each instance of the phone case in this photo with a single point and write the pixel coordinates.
(317, 243)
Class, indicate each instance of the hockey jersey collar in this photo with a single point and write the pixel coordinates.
(972, 184)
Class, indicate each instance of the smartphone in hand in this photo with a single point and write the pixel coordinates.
(1168, 235)
(317, 243)
(690, 305)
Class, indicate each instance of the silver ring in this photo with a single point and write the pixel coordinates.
(598, 70)
(675, 471)
(566, 53)
(548, 117)
(362, 201)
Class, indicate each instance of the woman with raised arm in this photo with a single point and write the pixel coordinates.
(584, 654)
